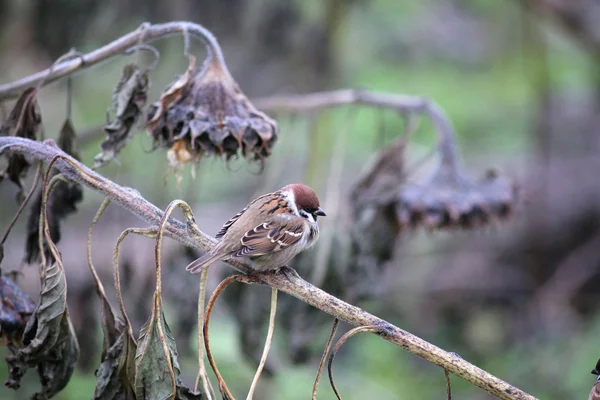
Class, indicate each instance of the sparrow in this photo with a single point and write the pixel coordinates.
(269, 231)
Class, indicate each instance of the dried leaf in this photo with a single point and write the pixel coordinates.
(129, 98)
(62, 201)
(117, 370)
(49, 340)
(157, 368)
(15, 309)
(24, 121)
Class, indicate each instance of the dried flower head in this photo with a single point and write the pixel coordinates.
(447, 200)
(450, 200)
(206, 113)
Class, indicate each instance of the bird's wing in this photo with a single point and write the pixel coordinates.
(270, 237)
(231, 221)
(236, 217)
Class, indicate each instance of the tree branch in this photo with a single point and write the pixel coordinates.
(289, 283)
(402, 103)
(144, 34)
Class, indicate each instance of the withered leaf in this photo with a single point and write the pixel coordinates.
(49, 341)
(61, 202)
(24, 121)
(114, 377)
(15, 309)
(157, 368)
(128, 100)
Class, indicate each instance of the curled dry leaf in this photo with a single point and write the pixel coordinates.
(210, 114)
(128, 100)
(116, 372)
(15, 309)
(62, 201)
(24, 121)
(157, 369)
(115, 375)
(49, 341)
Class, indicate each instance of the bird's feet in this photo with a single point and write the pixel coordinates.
(288, 272)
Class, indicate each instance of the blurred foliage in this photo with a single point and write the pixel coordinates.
(474, 58)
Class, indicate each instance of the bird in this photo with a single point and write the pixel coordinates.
(270, 231)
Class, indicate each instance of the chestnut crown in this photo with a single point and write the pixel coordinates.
(306, 198)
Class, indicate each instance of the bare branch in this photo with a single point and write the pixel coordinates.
(144, 34)
(311, 102)
(286, 280)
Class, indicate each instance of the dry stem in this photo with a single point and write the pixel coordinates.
(144, 34)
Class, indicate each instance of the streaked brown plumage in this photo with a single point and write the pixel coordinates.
(270, 231)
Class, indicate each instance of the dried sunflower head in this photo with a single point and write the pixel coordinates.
(450, 200)
(207, 114)
(446, 200)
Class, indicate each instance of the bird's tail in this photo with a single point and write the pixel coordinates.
(199, 264)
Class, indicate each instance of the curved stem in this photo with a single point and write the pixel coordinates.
(447, 146)
(336, 322)
(99, 286)
(34, 184)
(268, 340)
(209, 307)
(202, 376)
(145, 33)
(339, 344)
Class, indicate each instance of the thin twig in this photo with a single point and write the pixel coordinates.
(202, 375)
(158, 291)
(99, 286)
(209, 307)
(339, 344)
(36, 180)
(115, 48)
(268, 340)
(336, 322)
(332, 200)
(403, 103)
(289, 282)
(448, 387)
(148, 232)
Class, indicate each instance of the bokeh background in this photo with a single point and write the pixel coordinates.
(518, 79)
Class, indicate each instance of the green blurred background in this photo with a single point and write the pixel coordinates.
(519, 81)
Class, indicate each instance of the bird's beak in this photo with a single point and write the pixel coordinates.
(320, 212)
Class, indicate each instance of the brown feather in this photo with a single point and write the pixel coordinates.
(269, 238)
